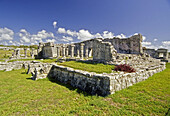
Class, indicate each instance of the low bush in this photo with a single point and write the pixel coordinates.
(125, 68)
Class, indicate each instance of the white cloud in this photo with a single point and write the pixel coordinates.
(50, 40)
(144, 38)
(155, 39)
(10, 42)
(136, 34)
(6, 34)
(61, 30)
(26, 37)
(98, 35)
(121, 36)
(166, 43)
(84, 35)
(107, 34)
(146, 43)
(71, 33)
(23, 31)
(67, 39)
(55, 24)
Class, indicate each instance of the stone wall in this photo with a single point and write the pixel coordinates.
(101, 84)
(95, 47)
(159, 53)
(8, 66)
(131, 45)
(151, 52)
(39, 70)
(103, 51)
(49, 50)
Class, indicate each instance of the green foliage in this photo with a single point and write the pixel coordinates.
(91, 67)
(19, 95)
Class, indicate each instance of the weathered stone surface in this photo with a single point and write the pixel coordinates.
(159, 53)
(101, 84)
(8, 66)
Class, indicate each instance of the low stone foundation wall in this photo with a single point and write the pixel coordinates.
(39, 70)
(101, 84)
(8, 66)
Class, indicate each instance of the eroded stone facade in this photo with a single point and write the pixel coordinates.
(159, 53)
(99, 49)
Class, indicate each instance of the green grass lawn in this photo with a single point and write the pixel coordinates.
(44, 60)
(19, 95)
(98, 68)
(8, 53)
(5, 53)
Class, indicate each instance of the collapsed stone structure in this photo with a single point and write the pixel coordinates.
(111, 51)
(17, 53)
(104, 50)
(159, 53)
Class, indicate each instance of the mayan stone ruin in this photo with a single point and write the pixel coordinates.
(113, 51)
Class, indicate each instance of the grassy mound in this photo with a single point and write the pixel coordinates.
(19, 95)
(98, 68)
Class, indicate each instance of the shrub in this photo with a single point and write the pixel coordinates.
(125, 68)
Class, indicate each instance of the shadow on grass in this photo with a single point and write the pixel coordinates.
(23, 72)
(69, 87)
(29, 78)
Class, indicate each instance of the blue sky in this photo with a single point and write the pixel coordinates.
(65, 21)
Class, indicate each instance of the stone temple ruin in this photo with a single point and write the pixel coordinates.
(103, 50)
(159, 53)
(108, 51)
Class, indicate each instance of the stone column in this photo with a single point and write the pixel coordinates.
(81, 50)
(86, 54)
(18, 53)
(14, 54)
(58, 51)
(78, 53)
(167, 55)
(66, 52)
(32, 53)
(25, 52)
(72, 51)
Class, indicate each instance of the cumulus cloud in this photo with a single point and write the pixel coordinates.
(55, 24)
(121, 36)
(107, 34)
(50, 40)
(84, 35)
(155, 39)
(26, 37)
(71, 33)
(6, 34)
(166, 43)
(146, 43)
(144, 38)
(61, 30)
(136, 34)
(66, 39)
(98, 35)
